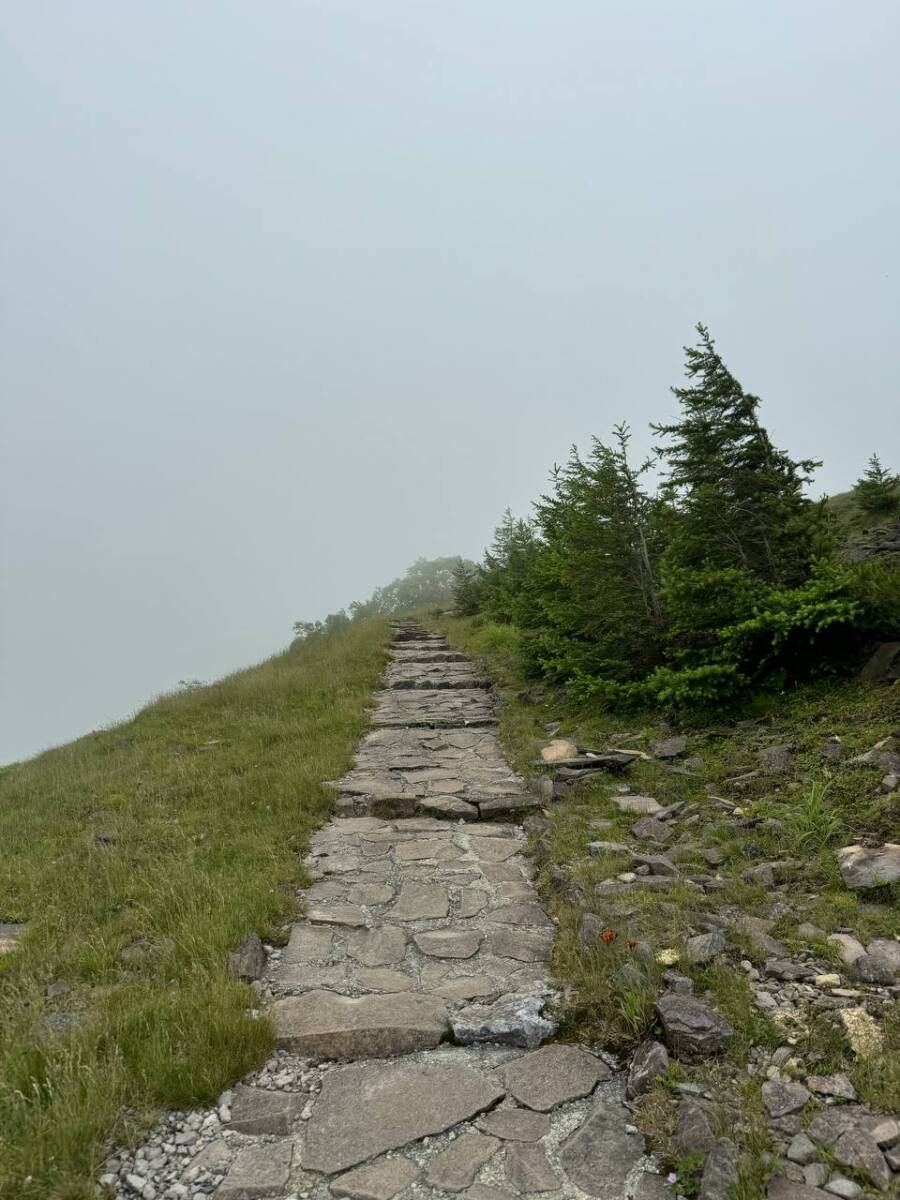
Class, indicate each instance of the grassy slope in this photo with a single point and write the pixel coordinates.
(605, 999)
(139, 856)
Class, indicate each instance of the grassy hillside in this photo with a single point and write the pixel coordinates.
(139, 856)
(853, 522)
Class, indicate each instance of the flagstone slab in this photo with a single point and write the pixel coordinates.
(376, 1181)
(368, 1108)
(449, 943)
(258, 1172)
(599, 1156)
(553, 1075)
(373, 1026)
(382, 946)
(421, 902)
(456, 1167)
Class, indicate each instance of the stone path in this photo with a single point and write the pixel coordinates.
(412, 1000)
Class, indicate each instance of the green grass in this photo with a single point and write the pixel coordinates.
(139, 856)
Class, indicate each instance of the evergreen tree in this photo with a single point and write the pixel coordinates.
(878, 491)
(596, 584)
(508, 570)
(739, 500)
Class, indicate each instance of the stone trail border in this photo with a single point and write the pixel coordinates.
(413, 1002)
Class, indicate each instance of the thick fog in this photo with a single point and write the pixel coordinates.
(294, 293)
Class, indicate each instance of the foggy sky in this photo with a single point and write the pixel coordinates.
(293, 293)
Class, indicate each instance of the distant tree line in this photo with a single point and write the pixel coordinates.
(722, 577)
(426, 584)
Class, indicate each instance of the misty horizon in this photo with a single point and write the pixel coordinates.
(294, 297)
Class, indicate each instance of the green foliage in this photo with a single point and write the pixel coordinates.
(467, 588)
(811, 822)
(878, 490)
(726, 580)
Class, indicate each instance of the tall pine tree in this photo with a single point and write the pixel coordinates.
(739, 500)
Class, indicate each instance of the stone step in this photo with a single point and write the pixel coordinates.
(455, 708)
(329, 1025)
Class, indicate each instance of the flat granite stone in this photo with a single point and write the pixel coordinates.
(376, 1181)
(469, 987)
(456, 1167)
(374, 1026)
(449, 943)
(428, 849)
(553, 1075)
(379, 947)
(515, 1124)
(366, 1109)
(421, 902)
(337, 914)
(258, 1172)
(308, 945)
(600, 1154)
(382, 979)
(255, 1110)
(528, 1168)
(643, 806)
(530, 916)
(521, 944)
(494, 849)
(371, 893)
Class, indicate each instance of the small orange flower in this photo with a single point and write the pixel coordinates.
(608, 935)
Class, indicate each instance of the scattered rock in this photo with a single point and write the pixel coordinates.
(857, 1149)
(848, 948)
(248, 962)
(720, 1172)
(832, 1085)
(515, 1019)
(670, 747)
(693, 1131)
(651, 1059)
(862, 867)
(692, 1028)
(559, 749)
(802, 1150)
(640, 805)
(863, 1032)
(705, 947)
(783, 1096)
(448, 943)
(776, 759)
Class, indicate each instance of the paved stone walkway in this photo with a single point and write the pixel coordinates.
(412, 1000)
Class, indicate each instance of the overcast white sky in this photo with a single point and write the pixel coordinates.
(293, 293)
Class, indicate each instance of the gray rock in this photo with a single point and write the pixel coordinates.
(826, 1127)
(257, 1172)
(376, 1181)
(810, 933)
(720, 1172)
(691, 1027)
(639, 805)
(862, 867)
(456, 1167)
(756, 931)
(366, 1109)
(802, 1150)
(693, 1131)
(841, 1186)
(887, 949)
(374, 1026)
(857, 1149)
(832, 1085)
(528, 1168)
(516, 1020)
(670, 747)
(515, 1124)
(553, 1075)
(420, 902)
(783, 1096)
(255, 1110)
(248, 962)
(649, 829)
(705, 947)
(783, 1189)
(873, 968)
(337, 914)
(777, 759)
(815, 1174)
(651, 1059)
(848, 948)
(599, 1156)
